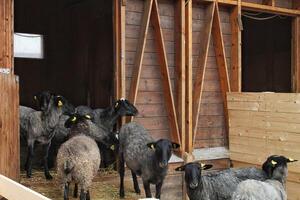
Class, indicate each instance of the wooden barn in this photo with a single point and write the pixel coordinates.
(219, 77)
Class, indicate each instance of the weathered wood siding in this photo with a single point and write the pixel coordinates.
(150, 97)
(211, 128)
(262, 124)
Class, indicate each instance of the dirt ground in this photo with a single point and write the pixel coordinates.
(105, 186)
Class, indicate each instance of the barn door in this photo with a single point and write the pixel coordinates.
(9, 96)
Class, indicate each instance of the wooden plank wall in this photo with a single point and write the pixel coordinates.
(211, 126)
(261, 124)
(150, 97)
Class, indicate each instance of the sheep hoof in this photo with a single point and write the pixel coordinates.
(28, 175)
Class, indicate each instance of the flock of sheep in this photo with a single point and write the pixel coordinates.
(78, 157)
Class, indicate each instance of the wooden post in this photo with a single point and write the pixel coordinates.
(296, 54)
(180, 67)
(9, 97)
(189, 76)
(236, 49)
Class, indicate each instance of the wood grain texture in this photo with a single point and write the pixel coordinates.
(263, 124)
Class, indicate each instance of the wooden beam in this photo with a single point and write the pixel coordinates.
(296, 54)
(172, 116)
(257, 7)
(236, 49)
(189, 76)
(180, 66)
(13, 190)
(203, 53)
(221, 60)
(269, 2)
(117, 52)
(122, 72)
(136, 72)
(6, 34)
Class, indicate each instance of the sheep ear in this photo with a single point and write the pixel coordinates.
(112, 147)
(181, 168)
(116, 104)
(60, 103)
(205, 166)
(87, 116)
(291, 160)
(151, 145)
(175, 145)
(35, 97)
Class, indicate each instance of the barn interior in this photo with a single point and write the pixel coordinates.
(233, 54)
(77, 59)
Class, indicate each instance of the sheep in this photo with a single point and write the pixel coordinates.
(273, 188)
(78, 159)
(215, 185)
(41, 125)
(42, 100)
(144, 157)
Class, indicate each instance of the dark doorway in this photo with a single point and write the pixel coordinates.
(266, 53)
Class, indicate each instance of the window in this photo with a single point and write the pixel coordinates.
(28, 46)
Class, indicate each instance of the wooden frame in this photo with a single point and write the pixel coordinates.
(13, 190)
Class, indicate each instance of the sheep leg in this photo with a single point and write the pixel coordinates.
(29, 158)
(147, 189)
(158, 189)
(88, 195)
(122, 173)
(135, 183)
(75, 193)
(82, 194)
(66, 191)
(46, 168)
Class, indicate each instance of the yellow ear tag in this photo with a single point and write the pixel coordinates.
(202, 165)
(73, 119)
(152, 146)
(291, 159)
(35, 98)
(116, 105)
(87, 116)
(274, 162)
(60, 103)
(112, 147)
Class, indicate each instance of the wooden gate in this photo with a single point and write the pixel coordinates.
(9, 97)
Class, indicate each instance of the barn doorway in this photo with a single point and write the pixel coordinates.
(266, 53)
(77, 44)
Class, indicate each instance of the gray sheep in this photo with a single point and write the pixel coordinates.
(41, 125)
(215, 185)
(273, 188)
(144, 157)
(78, 159)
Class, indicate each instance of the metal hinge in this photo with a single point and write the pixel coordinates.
(4, 70)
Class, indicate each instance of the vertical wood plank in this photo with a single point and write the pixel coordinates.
(140, 54)
(236, 49)
(9, 127)
(189, 75)
(117, 54)
(6, 34)
(180, 66)
(296, 54)
(170, 106)
(221, 60)
(198, 85)
(122, 72)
